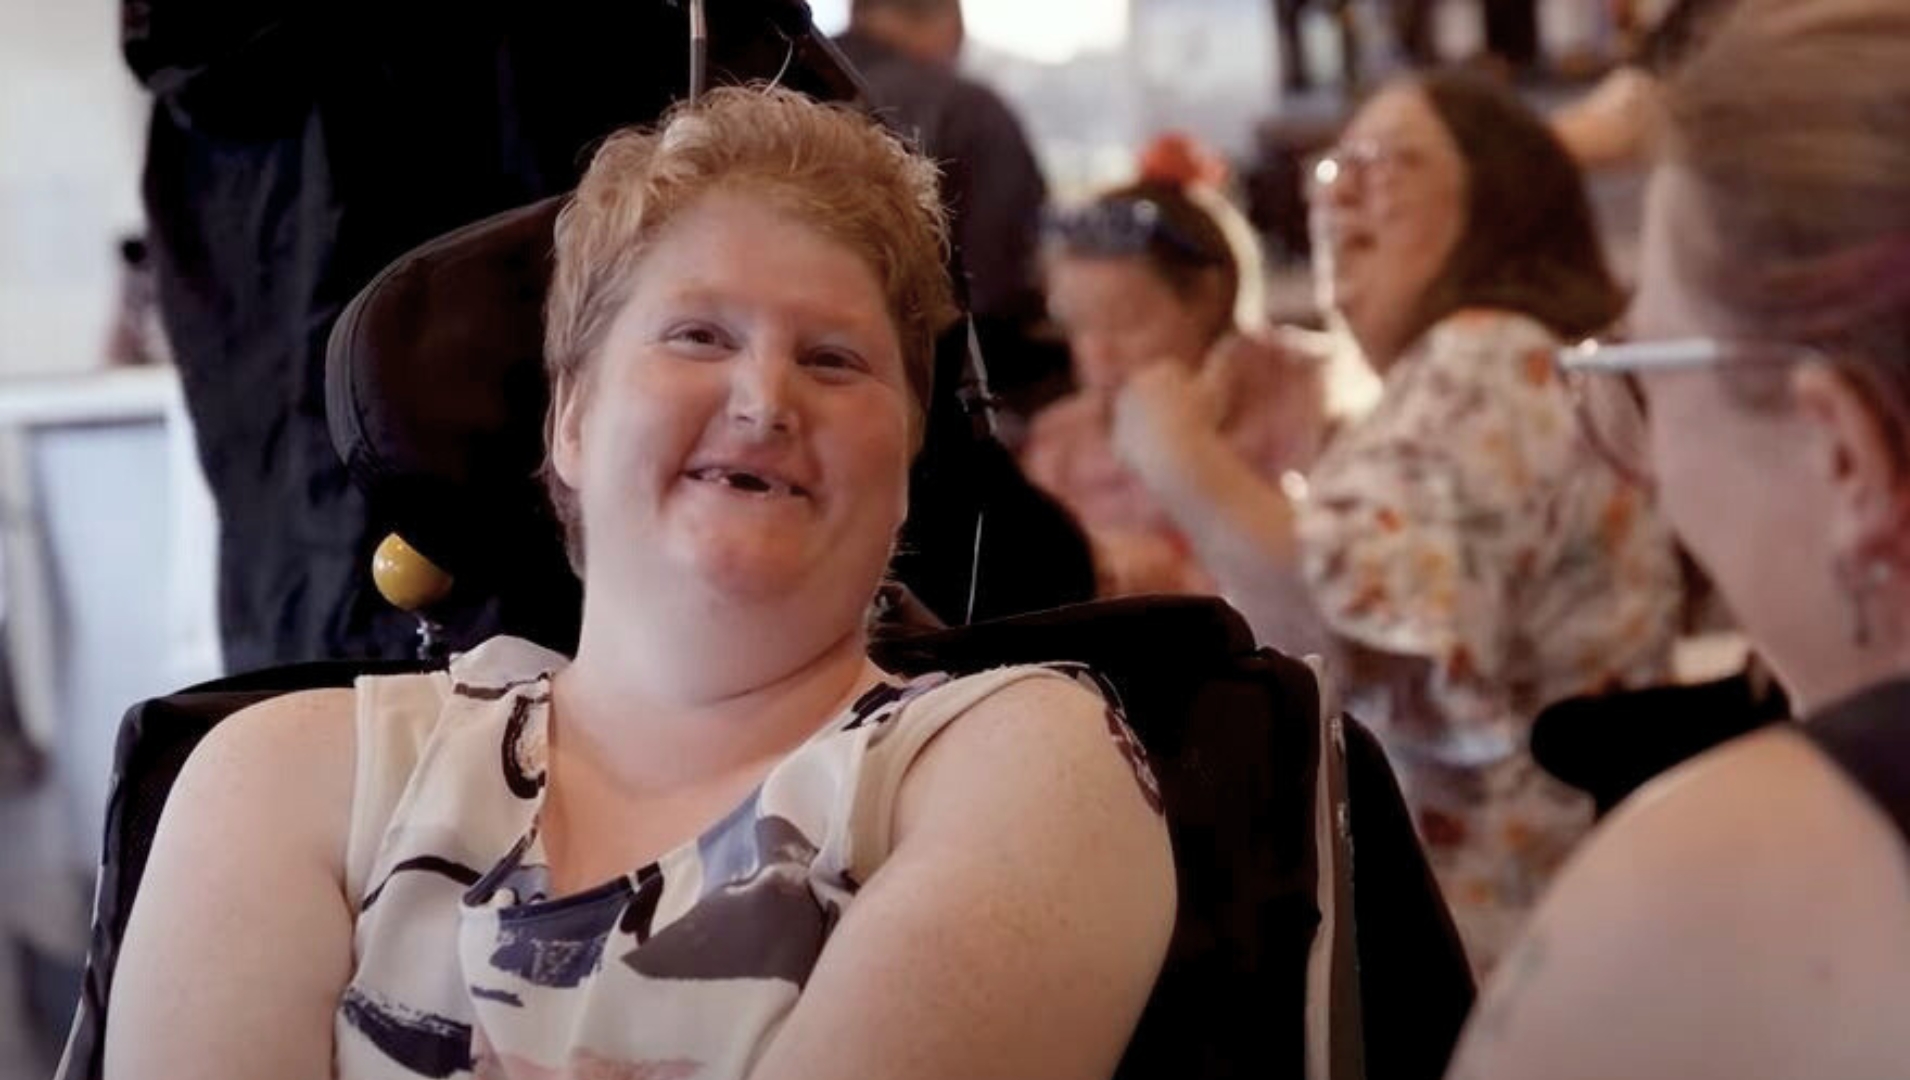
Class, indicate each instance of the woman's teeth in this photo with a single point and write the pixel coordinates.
(747, 482)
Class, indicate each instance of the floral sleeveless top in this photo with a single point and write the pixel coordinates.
(466, 966)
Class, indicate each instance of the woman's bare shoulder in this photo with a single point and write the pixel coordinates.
(287, 762)
(301, 721)
(1742, 910)
(1051, 738)
(1768, 792)
(243, 888)
(1747, 839)
(1022, 917)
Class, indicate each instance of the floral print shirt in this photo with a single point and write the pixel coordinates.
(1466, 525)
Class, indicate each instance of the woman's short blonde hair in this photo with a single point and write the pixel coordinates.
(828, 166)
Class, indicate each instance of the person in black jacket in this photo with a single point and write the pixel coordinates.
(293, 152)
(906, 51)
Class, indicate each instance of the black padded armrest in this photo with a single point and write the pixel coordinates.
(1416, 985)
(1232, 733)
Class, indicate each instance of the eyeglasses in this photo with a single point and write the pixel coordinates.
(1359, 162)
(1116, 227)
(1602, 378)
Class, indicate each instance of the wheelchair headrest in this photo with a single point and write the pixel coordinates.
(435, 387)
(436, 395)
(435, 391)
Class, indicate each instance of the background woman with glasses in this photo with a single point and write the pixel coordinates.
(1468, 555)
(1163, 270)
(1748, 916)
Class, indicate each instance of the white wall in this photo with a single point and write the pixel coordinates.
(72, 135)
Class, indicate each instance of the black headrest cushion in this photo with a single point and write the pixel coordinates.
(436, 395)
(435, 387)
(436, 391)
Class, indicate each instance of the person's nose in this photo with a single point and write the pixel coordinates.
(763, 391)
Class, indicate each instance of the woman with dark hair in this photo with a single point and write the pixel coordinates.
(1460, 551)
(1163, 269)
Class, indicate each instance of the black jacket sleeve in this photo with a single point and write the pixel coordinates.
(223, 65)
(996, 190)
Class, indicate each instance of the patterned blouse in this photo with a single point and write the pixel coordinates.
(466, 966)
(1467, 525)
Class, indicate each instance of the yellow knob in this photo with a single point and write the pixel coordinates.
(405, 577)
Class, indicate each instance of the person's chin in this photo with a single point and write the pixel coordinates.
(1347, 293)
(1353, 314)
(742, 572)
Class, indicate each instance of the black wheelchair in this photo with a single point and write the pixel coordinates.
(1311, 939)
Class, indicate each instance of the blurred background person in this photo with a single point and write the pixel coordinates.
(1610, 126)
(1410, 22)
(1469, 556)
(1748, 915)
(1164, 270)
(1512, 35)
(289, 158)
(907, 51)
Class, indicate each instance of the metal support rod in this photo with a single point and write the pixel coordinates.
(699, 50)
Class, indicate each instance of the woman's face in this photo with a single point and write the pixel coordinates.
(1391, 208)
(1736, 482)
(745, 429)
(1120, 316)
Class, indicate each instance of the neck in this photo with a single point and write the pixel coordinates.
(1352, 385)
(650, 706)
(1862, 668)
(1380, 352)
(912, 37)
(1383, 338)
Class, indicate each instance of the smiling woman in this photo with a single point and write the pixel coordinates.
(720, 841)
(748, 413)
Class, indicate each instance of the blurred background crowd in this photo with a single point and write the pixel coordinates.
(1269, 292)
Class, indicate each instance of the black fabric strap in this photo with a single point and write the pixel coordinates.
(1868, 735)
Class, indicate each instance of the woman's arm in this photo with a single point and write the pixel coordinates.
(1610, 126)
(1240, 526)
(1017, 927)
(239, 942)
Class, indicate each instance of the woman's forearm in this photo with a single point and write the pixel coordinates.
(1242, 529)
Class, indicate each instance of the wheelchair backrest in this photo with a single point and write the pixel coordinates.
(1234, 735)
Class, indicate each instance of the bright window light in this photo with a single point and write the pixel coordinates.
(1047, 30)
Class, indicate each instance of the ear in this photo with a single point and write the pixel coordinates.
(566, 434)
(1858, 461)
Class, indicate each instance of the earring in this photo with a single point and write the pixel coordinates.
(1860, 583)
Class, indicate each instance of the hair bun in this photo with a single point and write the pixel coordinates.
(1179, 159)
